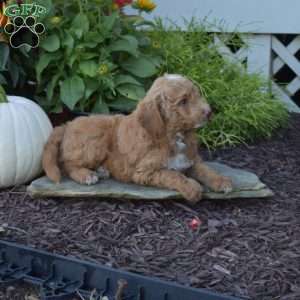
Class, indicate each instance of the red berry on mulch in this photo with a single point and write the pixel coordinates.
(195, 223)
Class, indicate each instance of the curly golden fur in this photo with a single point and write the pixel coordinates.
(156, 145)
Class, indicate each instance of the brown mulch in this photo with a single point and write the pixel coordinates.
(21, 292)
(246, 248)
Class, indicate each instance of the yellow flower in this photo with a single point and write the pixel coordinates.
(55, 20)
(146, 5)
(103, 69)
(156, 44)
(115, 6)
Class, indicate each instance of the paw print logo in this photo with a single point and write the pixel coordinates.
(24, 32)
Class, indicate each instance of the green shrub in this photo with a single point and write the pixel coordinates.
(242, 110)
(13, 65)
(93, 58)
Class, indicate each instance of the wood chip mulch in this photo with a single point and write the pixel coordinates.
(246, 248)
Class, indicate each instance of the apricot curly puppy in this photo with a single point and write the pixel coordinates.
(156, 145)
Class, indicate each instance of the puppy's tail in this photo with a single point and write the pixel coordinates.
(50, 154)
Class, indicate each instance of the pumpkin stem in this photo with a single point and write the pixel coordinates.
(3, 98)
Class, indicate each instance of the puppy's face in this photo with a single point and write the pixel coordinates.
(183, 107)
(173, 104)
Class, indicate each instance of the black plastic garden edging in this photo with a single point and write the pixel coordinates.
(61, 278)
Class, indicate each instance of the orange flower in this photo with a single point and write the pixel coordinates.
(3, 18)
(145, 5)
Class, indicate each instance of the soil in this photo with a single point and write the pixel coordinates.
(245, 248)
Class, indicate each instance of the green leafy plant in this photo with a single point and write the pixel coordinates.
(12, 65)
(243, 109)
(93, 58)
(3, 98)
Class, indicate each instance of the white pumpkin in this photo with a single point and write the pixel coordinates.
(24, 130)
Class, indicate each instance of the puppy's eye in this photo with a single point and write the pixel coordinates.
(183, 102)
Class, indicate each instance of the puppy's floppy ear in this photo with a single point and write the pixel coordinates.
(149, 116)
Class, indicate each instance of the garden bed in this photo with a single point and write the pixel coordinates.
(21, 292)
(246, 248)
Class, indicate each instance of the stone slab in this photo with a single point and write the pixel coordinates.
(245, 185)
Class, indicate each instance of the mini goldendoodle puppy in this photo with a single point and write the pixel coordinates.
(155, 145)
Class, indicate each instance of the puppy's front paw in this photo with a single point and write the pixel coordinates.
(103, 173)
(91, 178)
(222, 184)
(192, 191)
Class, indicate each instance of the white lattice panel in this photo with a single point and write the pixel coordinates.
(237, 57)
(257, 55)
(259, 21)
(285, 56)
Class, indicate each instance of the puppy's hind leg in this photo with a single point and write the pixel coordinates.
(83, 175)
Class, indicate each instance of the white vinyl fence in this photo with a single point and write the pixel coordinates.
(269, 28)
